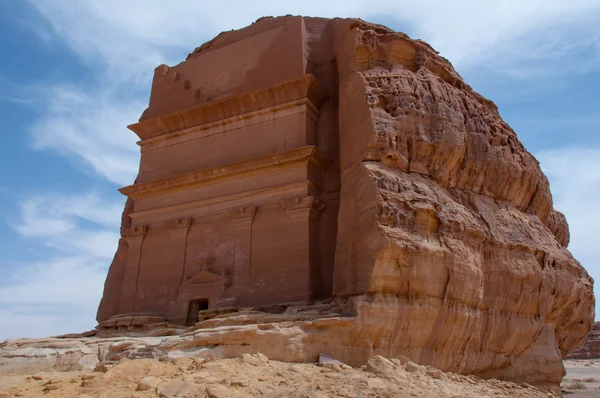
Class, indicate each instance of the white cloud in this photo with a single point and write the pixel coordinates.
(59, 293)
(128, 35)
(574, 175)
(90, 125)
(51, 297)
(57, 221)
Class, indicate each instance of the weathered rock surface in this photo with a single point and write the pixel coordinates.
(447, 248)
(590, 349)
(221, 379)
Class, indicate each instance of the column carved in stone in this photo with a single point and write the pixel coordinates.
(134, 237)
(304, 213)
(178, 232)
(242, 218)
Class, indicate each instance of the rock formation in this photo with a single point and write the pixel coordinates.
(303, 160)
(591, 346)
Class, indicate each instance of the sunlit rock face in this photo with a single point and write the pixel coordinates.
(302, 159)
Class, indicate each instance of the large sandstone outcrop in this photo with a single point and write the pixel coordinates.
(347, 161)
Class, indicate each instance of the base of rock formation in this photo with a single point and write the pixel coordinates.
(349, 331)
(254, 375)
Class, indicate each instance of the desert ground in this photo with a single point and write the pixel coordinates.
(254, 375)
(582, 379)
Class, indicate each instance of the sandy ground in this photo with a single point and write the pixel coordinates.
(582, 379)
(256, 376)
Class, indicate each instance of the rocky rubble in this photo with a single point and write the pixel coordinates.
(254, 375)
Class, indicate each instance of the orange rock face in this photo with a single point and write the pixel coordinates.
(300, 159)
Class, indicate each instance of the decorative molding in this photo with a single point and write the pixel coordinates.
(309, 154)
(134, 232)
(305, 87)
(242, 216)
(178, 224)
(302, 106)
(305, 207)
(222, 205)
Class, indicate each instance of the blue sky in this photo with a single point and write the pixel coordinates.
(75, 73)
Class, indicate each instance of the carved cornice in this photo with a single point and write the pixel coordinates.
(242, 216)
(134, 232)
(306, 87)
(299, 208)
(310, 154)
(178, 224)
(222, 205)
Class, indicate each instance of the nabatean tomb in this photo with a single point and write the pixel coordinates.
(313, 185)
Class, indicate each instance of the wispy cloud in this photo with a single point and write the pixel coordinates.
(574, 175)
(51, 297)
(141, 33)
(59, 292)
(90, 125)
(75, 224)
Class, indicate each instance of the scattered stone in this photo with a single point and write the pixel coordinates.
(328, 361)
(148, 383)
(176, 389)
(376, 384)
(434, 373)
(250, 359)
(218, 391)
(314, 394)
(412, 367)
(51, 387)
(103, 367)
(349, 392)
(401, 359)
(37, 377)
(297, 368)
(381, 366)
(261, 357)
(240, 382)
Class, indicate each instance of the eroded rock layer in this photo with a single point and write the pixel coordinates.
(590, 349)
(371, 172)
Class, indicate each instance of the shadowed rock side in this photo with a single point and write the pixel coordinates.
(448, 250)
(590, 349)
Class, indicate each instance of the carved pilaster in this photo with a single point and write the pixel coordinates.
(304, 213)
(135, 237)
(178, 231)
(242, 218)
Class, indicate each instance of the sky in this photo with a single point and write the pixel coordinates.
(75, 73)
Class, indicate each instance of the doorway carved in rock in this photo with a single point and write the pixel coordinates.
(194, 307)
